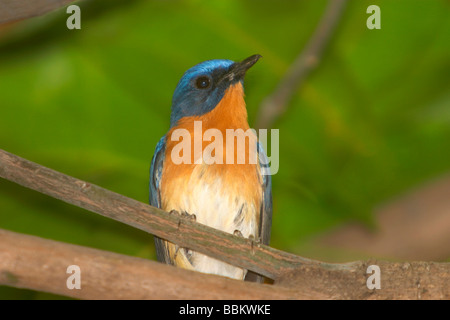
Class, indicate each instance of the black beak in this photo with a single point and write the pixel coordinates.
(238, 69)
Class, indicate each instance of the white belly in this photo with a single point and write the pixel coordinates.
(219, 207)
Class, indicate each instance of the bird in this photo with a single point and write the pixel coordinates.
(232, 196)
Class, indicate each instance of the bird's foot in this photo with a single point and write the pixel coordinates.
(238, 233)
(184, 214)
(256, 240)
(251, 237)
(192, 217)
(177, 248)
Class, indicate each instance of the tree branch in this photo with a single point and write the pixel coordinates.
(12, 10)
(40, 264)
(238, 251)
(34, 263)
(275, 105)
(399, 281)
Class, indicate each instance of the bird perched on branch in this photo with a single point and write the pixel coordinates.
(206, 180)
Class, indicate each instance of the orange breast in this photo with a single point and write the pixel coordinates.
(243, 179)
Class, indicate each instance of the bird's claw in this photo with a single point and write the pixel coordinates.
(256, 240)
(238, 233)
(250, 237)
(177, 248)
(192, 217)
(183, 214)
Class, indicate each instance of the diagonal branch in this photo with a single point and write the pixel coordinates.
(275, 105)
(238, 251)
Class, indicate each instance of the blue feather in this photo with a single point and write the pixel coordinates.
(156, 172)
(155, 193)
(266, 206)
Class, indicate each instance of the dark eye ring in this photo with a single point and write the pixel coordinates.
(203, 82)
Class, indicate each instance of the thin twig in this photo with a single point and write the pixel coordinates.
(276, 104)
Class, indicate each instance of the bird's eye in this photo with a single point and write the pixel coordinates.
(202, 82)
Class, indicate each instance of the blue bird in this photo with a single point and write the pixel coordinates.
(214, 186)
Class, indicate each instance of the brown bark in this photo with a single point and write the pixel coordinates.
(399, 281)
(40, 264)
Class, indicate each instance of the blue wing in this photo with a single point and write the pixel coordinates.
(265, 224)
(265, 218)
(155, 194)
(156, 172)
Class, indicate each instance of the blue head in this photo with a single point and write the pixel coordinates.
(202, 87)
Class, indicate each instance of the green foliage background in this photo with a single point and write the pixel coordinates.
(371, 122)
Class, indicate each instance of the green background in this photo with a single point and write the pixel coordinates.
(372, 121)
